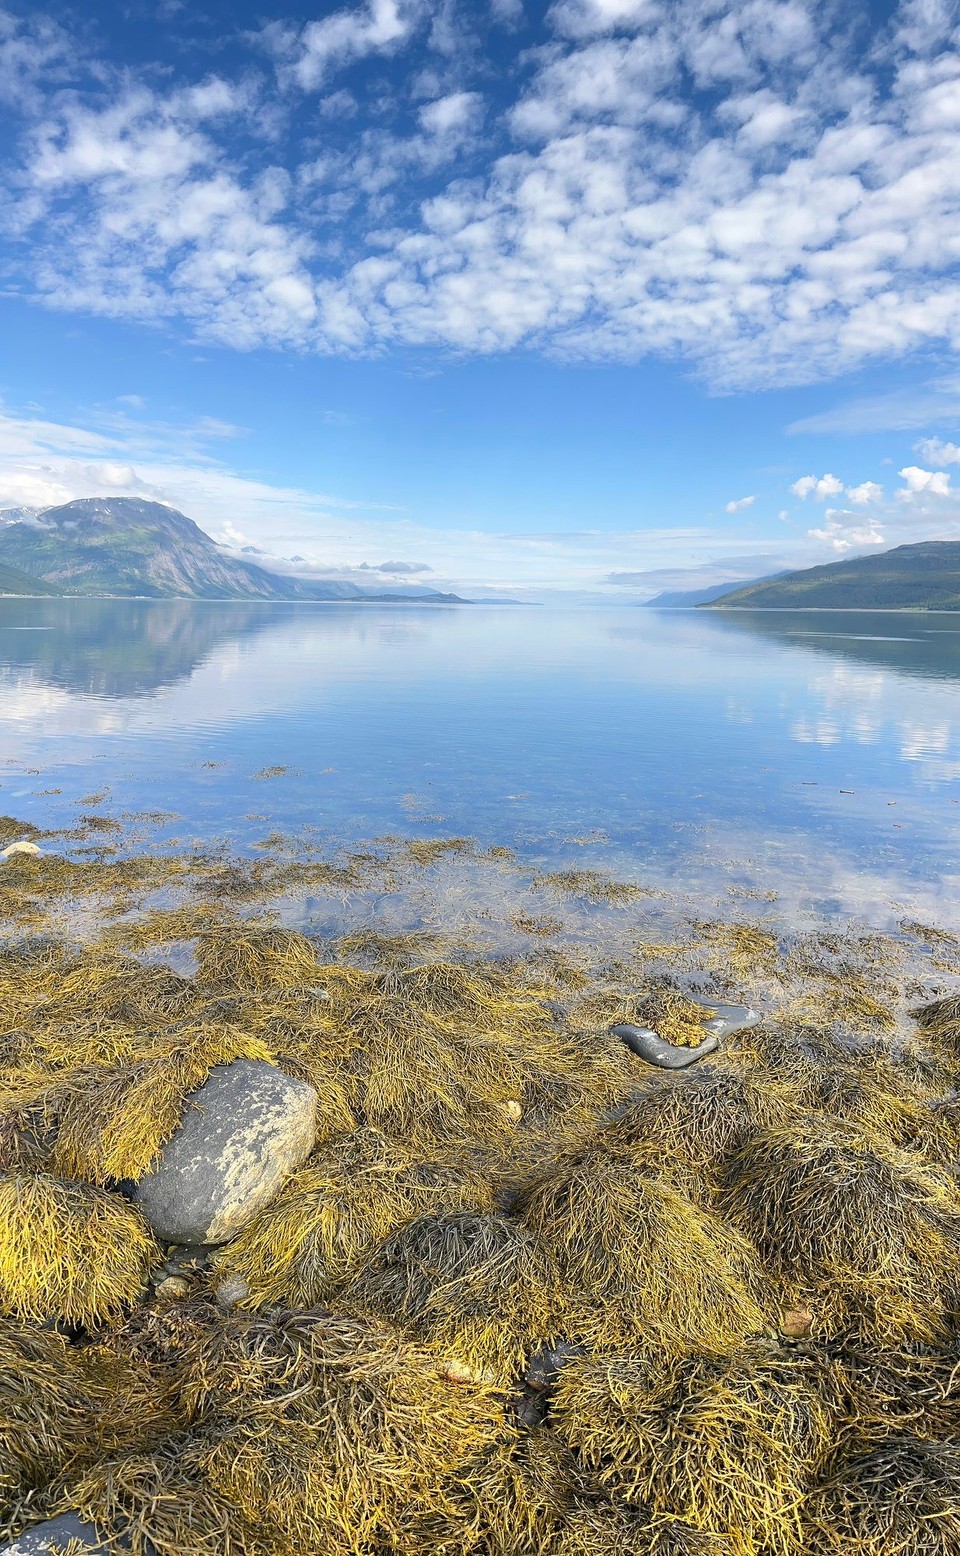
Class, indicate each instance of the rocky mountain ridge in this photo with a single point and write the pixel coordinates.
(129, 548)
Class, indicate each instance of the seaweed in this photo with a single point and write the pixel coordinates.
(903, 1496)
(477, 1286)
(642, 1265)
(69, 1251)
(64, 1406)
(334, 1433)
(728, 1444)
(330, 1215)
(869, 1234)
(590, 885)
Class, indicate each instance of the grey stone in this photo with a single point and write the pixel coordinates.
(242, 1133)
(52, 1537)
(647, 1045)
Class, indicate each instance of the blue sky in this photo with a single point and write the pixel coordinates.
(602, 296)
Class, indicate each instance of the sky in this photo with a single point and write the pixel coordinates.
(582, 300)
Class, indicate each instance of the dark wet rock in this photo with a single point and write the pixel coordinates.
(242, 1133)
(54, 1536)
(647, 1045)
(529, 1408)
(546, 1365)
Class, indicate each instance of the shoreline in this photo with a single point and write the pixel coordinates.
(463, 1199)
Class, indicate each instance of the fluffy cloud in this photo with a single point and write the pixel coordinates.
(937, 452)
(743, 186)
(161, 226)
(844, 531)
(866, 492)
(819, 487)
(308, 57)
(929, 483)
(739, 503)
(35, 54)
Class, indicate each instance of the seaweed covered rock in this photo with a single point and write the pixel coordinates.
(480, 1287)
(729, 1445)
(866, 1233)
(243, 1132)
(330, 1215)
(333, 1435)
(69, 1251)
(903, 1496)
(642, 1265)
(63, 1407)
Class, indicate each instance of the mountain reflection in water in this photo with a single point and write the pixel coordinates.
(807, 753)
(916, 643)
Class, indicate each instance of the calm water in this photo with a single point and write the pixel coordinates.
(682, 748)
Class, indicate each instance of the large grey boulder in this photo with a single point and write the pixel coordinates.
(54, 1536)
(242, 1133)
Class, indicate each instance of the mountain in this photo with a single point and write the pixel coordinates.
(13, 581)
(14, 515)
(925, 576)
(124, 547)
(684, 597)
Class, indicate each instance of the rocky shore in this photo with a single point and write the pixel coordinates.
(385, 1242)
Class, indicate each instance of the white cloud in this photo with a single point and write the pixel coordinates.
(739, 503)
(378, 27)
(148, 221)
(509, 13)
(866, 492)
(745, 186)
(819, 487)
(844, 531)
(937, 452)
(897, 411)
(35, 54)
(930, 483)
(459, 112)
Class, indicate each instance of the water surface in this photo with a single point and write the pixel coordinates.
(811, 753)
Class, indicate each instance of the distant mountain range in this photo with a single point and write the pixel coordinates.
(925, 576)
(682, 598)
(123, 547)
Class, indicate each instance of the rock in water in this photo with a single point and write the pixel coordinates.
(55, 1536)
(242, 1133)
(22, 847)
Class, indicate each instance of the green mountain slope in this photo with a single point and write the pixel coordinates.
(13, 581)
(920, 577)
(123, 547)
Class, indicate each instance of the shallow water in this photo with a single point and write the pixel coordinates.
(811, 754)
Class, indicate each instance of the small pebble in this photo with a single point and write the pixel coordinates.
(797, 1322)
(458, 1372)
(231, 1291)
(173, 1289)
